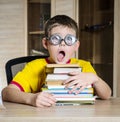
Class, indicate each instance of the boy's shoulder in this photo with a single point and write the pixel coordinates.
(38, 62)
(86, 65)
(81, 62)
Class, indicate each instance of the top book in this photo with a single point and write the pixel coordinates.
(62, 68)
(61, 65)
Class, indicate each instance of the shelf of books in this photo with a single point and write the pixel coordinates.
(56, 74)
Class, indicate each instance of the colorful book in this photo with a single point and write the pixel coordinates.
(73, 95)
(65, 91)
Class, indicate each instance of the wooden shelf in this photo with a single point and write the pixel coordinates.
(36, 32)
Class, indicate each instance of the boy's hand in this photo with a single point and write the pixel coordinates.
(43, 99)
(79, 80)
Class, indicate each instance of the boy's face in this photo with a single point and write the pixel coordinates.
(61, 53)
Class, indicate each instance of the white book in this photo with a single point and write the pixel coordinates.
(53, 77)
(55, 87)
(76, 99)
(66, 69)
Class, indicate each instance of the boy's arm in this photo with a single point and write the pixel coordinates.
(13, 94)
(81, 80)
(102, 89)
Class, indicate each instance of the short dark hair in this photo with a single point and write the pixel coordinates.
(60, 20)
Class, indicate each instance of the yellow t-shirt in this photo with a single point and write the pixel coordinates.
(32, 77)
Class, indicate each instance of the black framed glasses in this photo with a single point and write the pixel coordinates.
(56, 39)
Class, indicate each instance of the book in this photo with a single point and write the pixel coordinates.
(56, 77)
(75, 99)
(54, 82)
(52, 86)
(73, 95)
(66, 70)
(65, 91)
(61, 65)
(56, 74)
(75, 103)
(62, 68)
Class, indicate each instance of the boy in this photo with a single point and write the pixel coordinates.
(61, 40)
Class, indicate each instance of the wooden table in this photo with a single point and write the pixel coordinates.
(101, 111)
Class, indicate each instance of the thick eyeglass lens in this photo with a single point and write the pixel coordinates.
(55, 39)
(70, 40)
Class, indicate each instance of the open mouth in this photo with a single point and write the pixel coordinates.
(61, 56)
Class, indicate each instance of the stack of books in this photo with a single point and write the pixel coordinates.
(56, 74)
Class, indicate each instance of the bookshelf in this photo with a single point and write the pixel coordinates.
(38, 12)
(36, 32)
(96, 36)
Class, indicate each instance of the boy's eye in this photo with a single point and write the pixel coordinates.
(55, 39)
(69, 38)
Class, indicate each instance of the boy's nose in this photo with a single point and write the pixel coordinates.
(62, 42)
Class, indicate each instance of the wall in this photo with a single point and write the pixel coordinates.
(67, 7)
(12, 32)
(116, 75)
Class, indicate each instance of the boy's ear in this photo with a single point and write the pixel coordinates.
(45, 44)
(77, 45)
